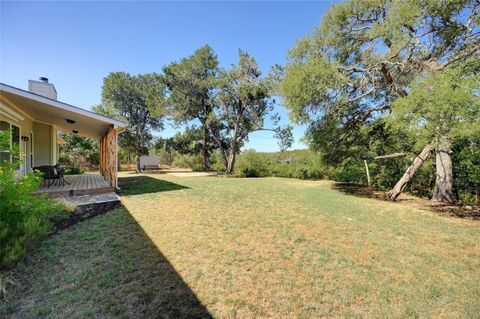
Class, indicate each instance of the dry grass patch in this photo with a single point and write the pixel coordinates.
(283, 248)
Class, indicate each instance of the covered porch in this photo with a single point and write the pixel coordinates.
(35, 120)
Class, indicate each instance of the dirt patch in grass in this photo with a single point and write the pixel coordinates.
(467, 212)
(459, 211)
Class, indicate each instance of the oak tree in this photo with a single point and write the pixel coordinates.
(140, 101)
(367, 54)
(191, 85)
(439, 108)
(244, 99)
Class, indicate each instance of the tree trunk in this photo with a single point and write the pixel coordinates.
(234, 143)
(204, 149)
(139, 169)
(367, 171)
(410, 172)
(224, 158)
(444, 176)
(231, 163)
(221, 149)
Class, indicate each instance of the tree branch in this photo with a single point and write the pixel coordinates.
(394, 155)
(463, 55)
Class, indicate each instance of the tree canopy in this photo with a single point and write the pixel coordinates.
(440, 108)
(191, 85)
(365, 54)
(345, 77)
(140, 101)
(244, 100)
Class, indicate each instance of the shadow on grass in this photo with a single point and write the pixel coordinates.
(359, 190)
(104, 267)
(141, 184)
(472, 213)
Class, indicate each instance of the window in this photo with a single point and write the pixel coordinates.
(4, 155)
(15, 140)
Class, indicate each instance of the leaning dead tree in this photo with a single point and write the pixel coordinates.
(410, 172)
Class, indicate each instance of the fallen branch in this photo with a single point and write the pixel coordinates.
(389, 156)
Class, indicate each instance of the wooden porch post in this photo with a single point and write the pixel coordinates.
(108, 157)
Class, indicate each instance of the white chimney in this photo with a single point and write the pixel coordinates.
(43, 88)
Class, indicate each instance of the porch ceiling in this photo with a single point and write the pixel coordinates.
(50, 111)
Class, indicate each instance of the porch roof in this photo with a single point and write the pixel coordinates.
(43, 109)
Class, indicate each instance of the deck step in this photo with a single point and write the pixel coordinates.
(85, 207)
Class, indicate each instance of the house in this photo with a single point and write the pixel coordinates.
(35, 116)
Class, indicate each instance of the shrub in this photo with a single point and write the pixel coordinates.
(166, 157)
(252, 164)
(23, 217)
(78, 153)
(306, 164)
(74, 170)
(385, 174)
(188, 161)
(466, 169)
(216, 162)
(303, 164)
(350, 172)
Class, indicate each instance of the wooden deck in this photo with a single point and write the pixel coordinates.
(84, 184)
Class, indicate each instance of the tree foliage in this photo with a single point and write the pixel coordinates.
(345, 77)
(79, 153)
(140, 101)
(365, 54)
(190, 141)
(191, 87)
(244, 100)
(440, 108)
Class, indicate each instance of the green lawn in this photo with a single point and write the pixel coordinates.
(204, 247)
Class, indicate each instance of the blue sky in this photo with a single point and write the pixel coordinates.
(76, 44)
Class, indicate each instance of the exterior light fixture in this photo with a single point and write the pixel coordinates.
(69, 121)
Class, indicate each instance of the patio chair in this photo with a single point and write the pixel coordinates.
(53, 174)
(49, 174)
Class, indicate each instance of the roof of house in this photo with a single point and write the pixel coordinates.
(46, 110)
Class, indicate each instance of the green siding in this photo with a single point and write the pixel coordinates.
(42, 144)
